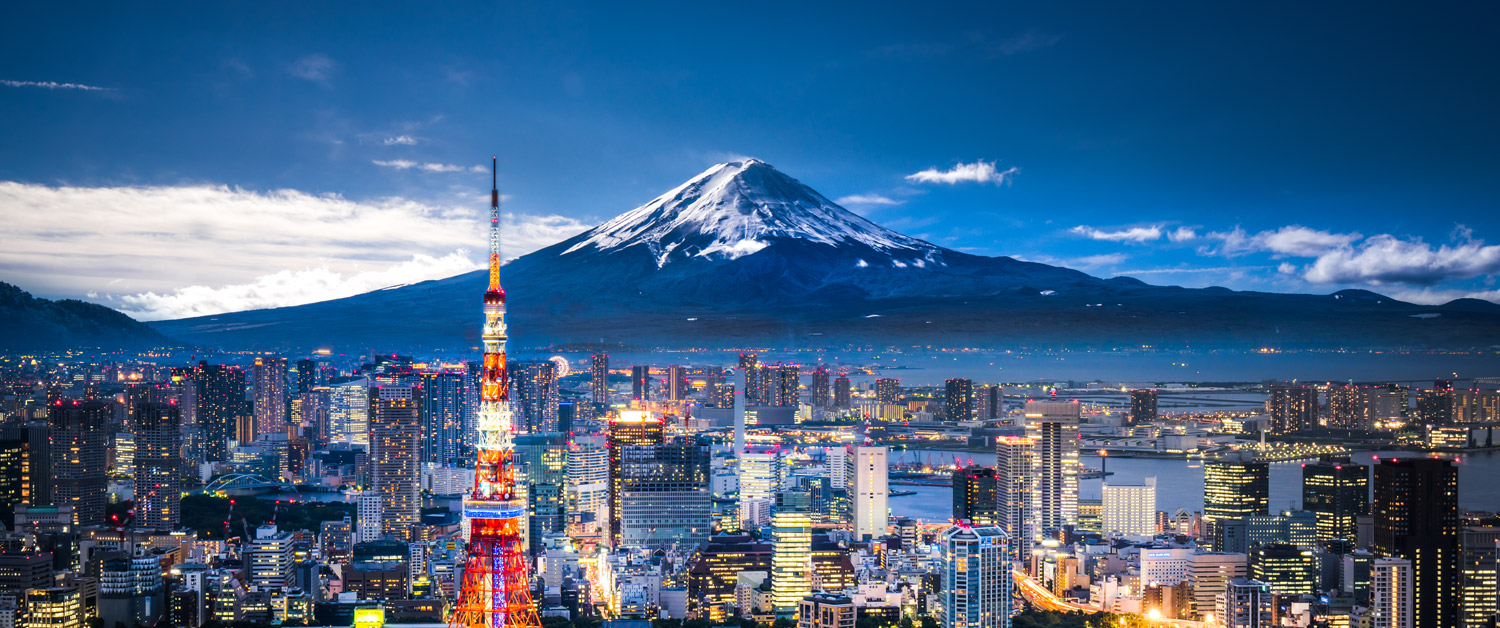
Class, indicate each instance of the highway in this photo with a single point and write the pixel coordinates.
(1042, 598)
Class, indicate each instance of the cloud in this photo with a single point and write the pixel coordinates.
(1384, 258)
(55, 85)
(1182, 234)
(185, 250)
(977, 172)
(1095, 261)
(1032, 39)
(867, 200)
(1436, 296)
(404, 140)
(405, 164)
(1133, 235)
(317, 68)
(1292, 240)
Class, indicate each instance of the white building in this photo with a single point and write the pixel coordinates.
(975, 586)
(1166, 567)
(1210, 573)
(271, 558)
(760, 471)
(369, 511)
(871, 490)
(1053, 425)
(1013, 491)
(1130, 509)
(588, 482)
(349, 412)
(838, 466)
(1391, 593)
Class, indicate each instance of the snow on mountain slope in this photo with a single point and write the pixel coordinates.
(736, 209)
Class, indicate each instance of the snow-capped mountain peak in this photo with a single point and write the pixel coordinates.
(736, 209)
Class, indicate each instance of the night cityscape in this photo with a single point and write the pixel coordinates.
(1113, 316)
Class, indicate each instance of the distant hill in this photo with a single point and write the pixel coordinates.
(744, 255)
(28, 323)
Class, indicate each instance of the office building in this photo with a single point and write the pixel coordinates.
(219, 403)
(631, 429)
(1143, 406)
(1053, 426)
(1392, 601)
(1130, 509)
(599, 378)
(975, 586)
(270, 395)
(989, 402)
(15, 477)
(1209, 575)
(1479, 575)
(1165, 566)
(534, 396)
(761, 472)
(869, 476)
(958, 400)
(54, 607)
(1287, 569)
(1234, 488)
(395, 440)
(974, 496)
(1244, 603)
(368, 525)
(271, 558)
(586, 501)
(443, 406)
(349, 412)
(822, 393)
(543, 462)
(664, 498)
(887, 391)
(1337, 492)
(1014, 458)
(640, 383)
(791, 550)
(37, 474)
(677, 383)
(827, 610)
(1293, 407)
(1415, 508)
(78, 453)
(842, 396)
(158, 466)
(308, 376)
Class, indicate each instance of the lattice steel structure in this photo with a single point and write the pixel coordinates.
(496, 589)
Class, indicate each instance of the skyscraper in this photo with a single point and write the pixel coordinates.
(270, 395)
(1234, 488)
(543, 458)
(958, 400)
(760, 478)
(1391, 594)
(677, 383)
(640, 383)
(821, 393)
(1142, 406)
(1344, 407)
(443, 401)
(870, 491)
(974, 496)
(1287, 569)
(1480, 575)
(78, 454)
(1014, 461)
(587, 497)
(1415, 509)
(158, 466)
(599, 378)
(395, 440)
(664, 496)
(220, 401)
(534, 396)
(308, 376)
(15, 477)
(1337, 491)
(1053, 426)
(887, 390)
(1130, 509)
(841, 392)
(38, 449)
(974, 575)
(349, 412)
(1293, 407)
(989, 402)
(632, 428)
(791, 548)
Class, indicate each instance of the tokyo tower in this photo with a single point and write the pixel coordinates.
(496, 589)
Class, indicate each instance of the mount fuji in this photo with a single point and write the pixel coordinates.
(744, 255)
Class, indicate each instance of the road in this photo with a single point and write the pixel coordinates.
(1042, 598)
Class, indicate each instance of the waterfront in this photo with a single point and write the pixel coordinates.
(1179, 483)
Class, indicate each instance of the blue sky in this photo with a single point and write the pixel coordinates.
(241, 155)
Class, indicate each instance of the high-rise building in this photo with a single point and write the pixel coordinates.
(587, 497)
(1293, 407)
(975, 584)
(1244, 603)
(822, 394)
(54, 607)
(1142, 406)
(599, 378)
(791, 549)
(1382, 406)
(368, 516)
(443, 408)
(308, 376)
(1287, 569)
(1343, 406)
(1130, 509)
(664, 497)
(220, 402)
(640, 383)
(1481, 548)
(38, 472)
(395, 440)
(717, 391)
(543, 459)
(1337, 491)
(1392, 601)
(271, 556)
(842, 398)
(1014, 460)
(958, 400)
(1415, 508)
(974, 495)
(631, 429)
(887, 391)
(761, 474)
(534, 396)
(677, 383)
(15, 477)
(779, 385)
(349, 412)
(1435, 406)
(78, 455)
(270, 395)
(989, 402)
(870, 490)
(158, 466)
(1234, 488)
(1209, 574)
(1053, 425)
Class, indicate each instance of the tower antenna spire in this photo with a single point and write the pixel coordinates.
(495, 227)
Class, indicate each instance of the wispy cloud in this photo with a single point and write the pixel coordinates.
(977, 172)
(867, 200)
(1132, 235)
(217, 248)
(403, 140)
(55, 85)
(405, 164)
(1384, 258)
(1291, 240)
(1032, 39)
(318, 68)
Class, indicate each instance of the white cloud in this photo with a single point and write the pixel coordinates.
(1385, 258)
(1096, 261)
(977, 172)
(237, 246)
(56, 85)
(1291, 240)
(1134, 235)
(406, 164)
(867, 200)
(1182, 234)
(317, 68)
(404, 140)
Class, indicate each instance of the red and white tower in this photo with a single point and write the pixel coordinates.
(496, 589)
